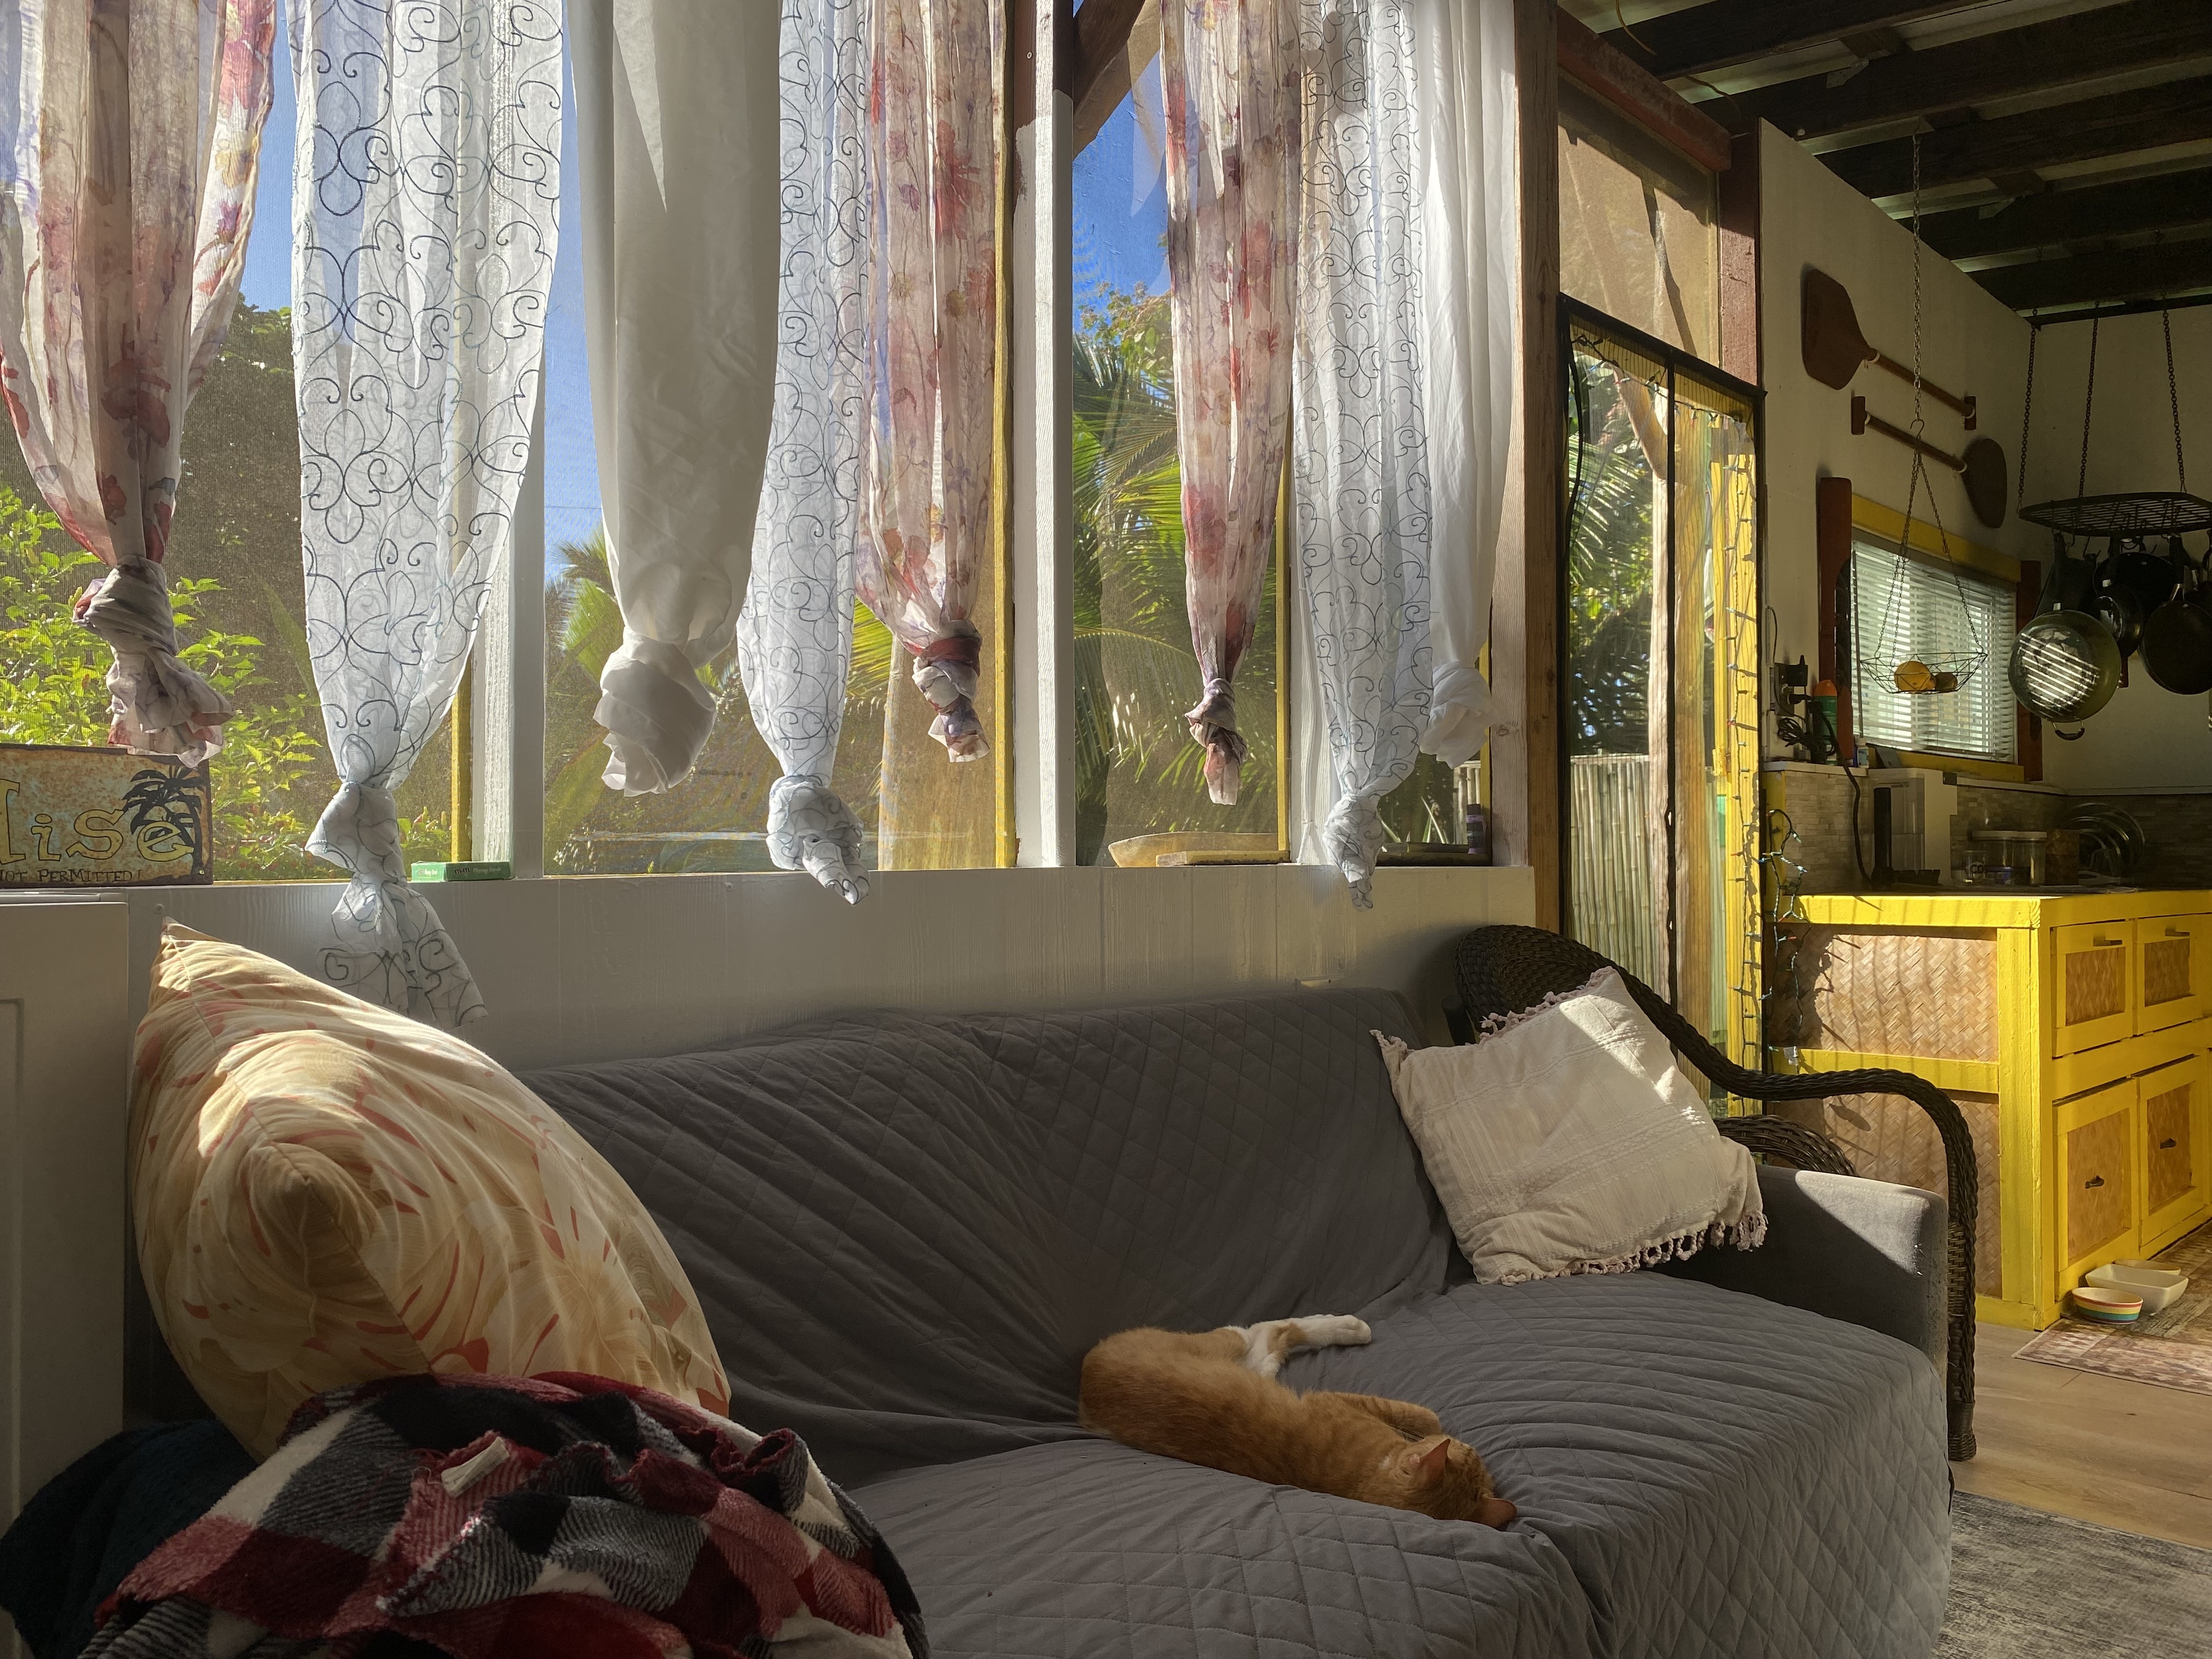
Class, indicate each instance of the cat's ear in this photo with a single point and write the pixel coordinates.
(1425, 1460)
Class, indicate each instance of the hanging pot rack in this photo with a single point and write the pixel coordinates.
(2135, 513)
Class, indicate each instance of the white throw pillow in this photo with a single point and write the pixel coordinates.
(1567, 1141)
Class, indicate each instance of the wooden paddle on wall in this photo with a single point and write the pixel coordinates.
(1834, 347)
(1982, 465)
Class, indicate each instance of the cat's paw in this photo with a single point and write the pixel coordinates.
(1334, 1331)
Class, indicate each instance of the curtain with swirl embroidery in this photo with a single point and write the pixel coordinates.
(934, 160)
(1361, 470)
(795, 635)
(1230, 71)
(132, 141)
(426, 198)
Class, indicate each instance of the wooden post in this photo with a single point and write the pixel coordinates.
(461, 735)
(1525, 621)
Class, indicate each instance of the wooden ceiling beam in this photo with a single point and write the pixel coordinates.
(2065, 52)
(1724, 33)
(2168, 200)
(1641, 96)
(2179, 112)
(2135, 273)
(1102, 43)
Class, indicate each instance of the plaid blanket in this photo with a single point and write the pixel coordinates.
(547, 1517)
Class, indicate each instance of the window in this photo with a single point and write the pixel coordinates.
(1659, 654)
(235, 561)
(1952, 620)
(1640, 227)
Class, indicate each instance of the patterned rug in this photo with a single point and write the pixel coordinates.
(2172, 1349)
(2027, 1585)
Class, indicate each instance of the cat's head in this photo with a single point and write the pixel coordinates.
(1447, 1479)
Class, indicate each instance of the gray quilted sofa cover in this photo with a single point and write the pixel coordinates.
(907, 1232)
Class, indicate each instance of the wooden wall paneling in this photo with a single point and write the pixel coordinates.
(1525, 759)
(1739, 271)
(1831, 511)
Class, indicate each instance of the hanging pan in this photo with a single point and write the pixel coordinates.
(2065, 663)
(1982, 467)
(2117, 605)
(2177, 643)
(1834, 348)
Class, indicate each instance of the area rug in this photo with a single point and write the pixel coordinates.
(2171, 1348)
(2027, 1585)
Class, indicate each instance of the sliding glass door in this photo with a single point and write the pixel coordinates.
(1659, 641)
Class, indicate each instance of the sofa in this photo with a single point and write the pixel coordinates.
(906, 1230)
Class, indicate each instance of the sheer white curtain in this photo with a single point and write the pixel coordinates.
(1362, 464)
(795, 638)
(426, 195)
(1465, 111)
(676, 114)
(1408, 283)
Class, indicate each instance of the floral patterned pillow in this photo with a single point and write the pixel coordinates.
(325, 1191)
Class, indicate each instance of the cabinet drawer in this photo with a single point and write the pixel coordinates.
(2173, 971)
(2099, 1141)
(2176, 1159)
(2093, 973)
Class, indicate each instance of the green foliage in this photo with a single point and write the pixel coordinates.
(1137, 771)
(270, 778)
(1611, 537)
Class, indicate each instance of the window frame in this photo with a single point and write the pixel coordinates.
(2004, 596)
(1576, 320)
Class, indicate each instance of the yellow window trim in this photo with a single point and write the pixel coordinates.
(2002, 771)
(1888, 524)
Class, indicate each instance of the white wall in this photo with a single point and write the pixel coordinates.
(2144, 738)
(1809, 218)
(589, 968)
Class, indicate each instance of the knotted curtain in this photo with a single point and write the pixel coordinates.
(426, 197)
(133, 142)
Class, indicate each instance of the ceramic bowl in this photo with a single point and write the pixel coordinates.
(2157, 1285)
(2108, 1306)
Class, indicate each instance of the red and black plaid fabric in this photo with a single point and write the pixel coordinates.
(547, 1517)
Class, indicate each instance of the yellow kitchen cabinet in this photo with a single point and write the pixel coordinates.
(2075, 1029)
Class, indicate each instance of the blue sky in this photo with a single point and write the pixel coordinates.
(1121, 213)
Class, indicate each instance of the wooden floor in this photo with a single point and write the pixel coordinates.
(2101, 1448)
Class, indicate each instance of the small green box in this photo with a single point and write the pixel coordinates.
(482, 870)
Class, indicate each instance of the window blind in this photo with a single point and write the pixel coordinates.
(1942, 615)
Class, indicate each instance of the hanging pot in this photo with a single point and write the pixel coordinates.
(2065, 666)
(2152, 578)
(2177, 643)
(2072, 583)
(2116, 607)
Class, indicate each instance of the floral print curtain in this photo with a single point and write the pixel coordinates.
(933, 154)
(1231, 75)
(795, 636)
(426, 197)
(1362, 463)
(133, 141)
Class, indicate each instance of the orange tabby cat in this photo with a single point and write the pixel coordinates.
(1212, 1398)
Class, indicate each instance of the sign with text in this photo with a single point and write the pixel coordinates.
(101, 817)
